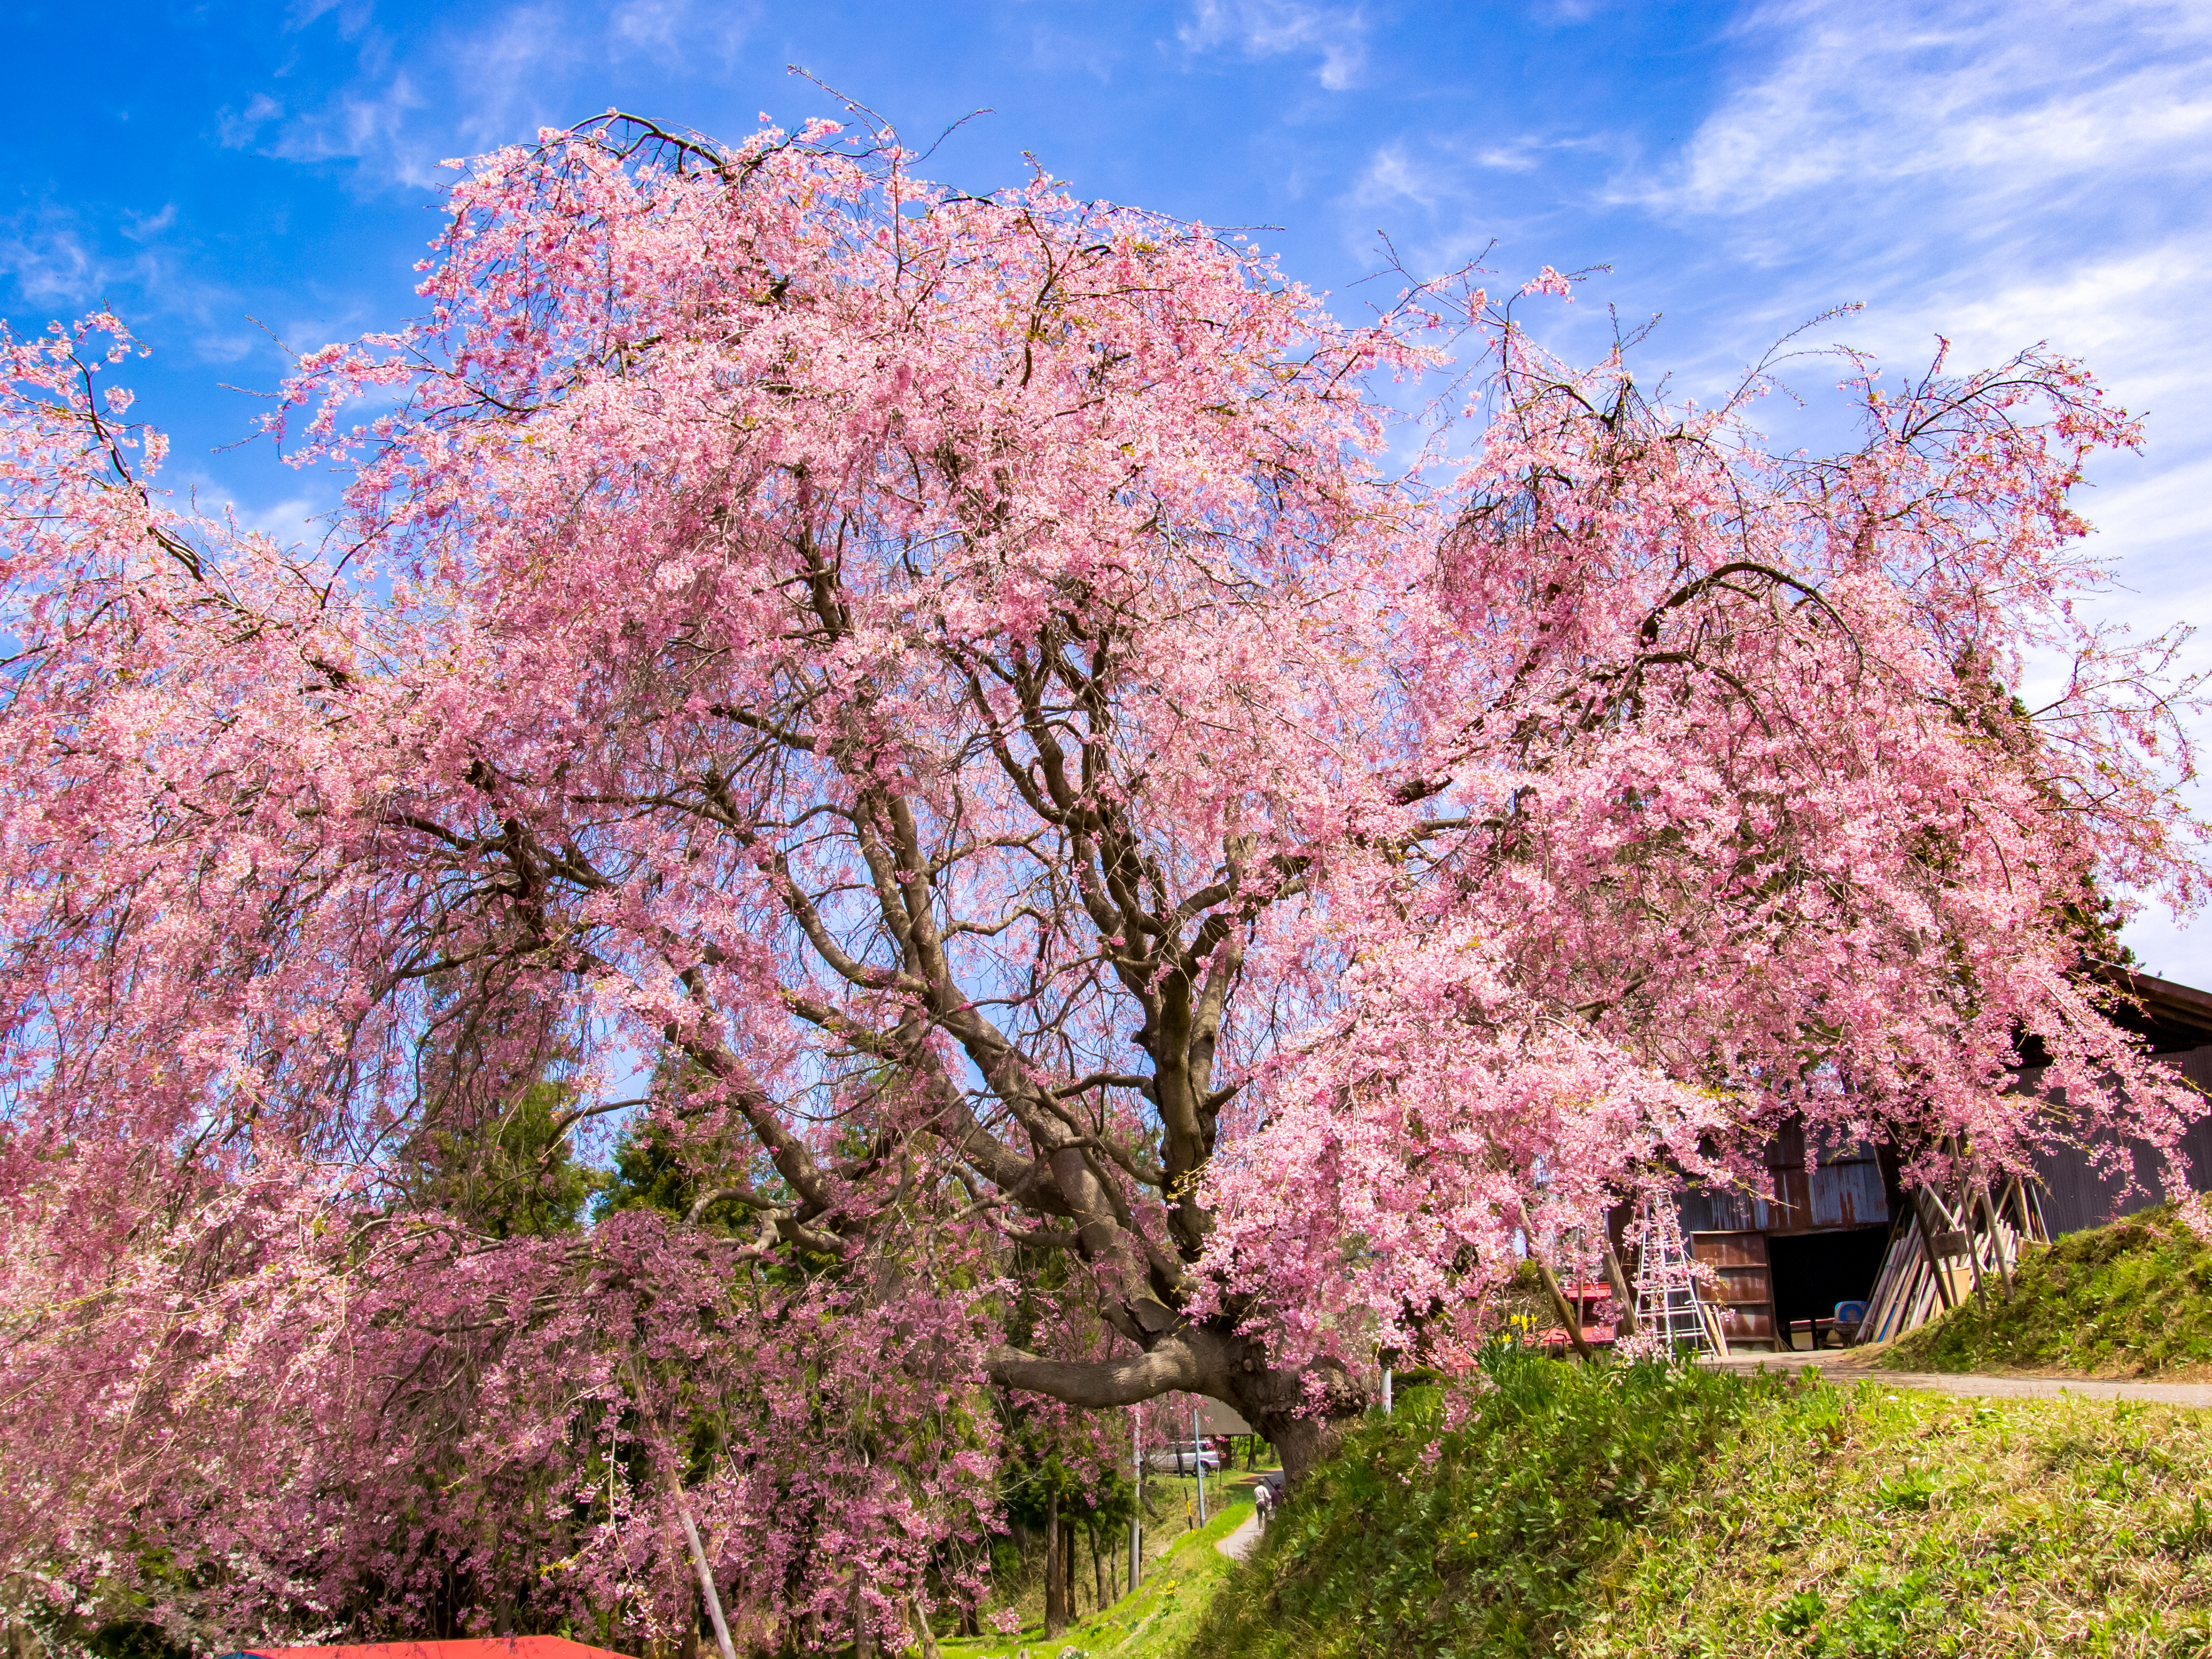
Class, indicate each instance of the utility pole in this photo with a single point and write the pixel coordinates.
(1198, 1456)
(1137, 1513)
(706, 1573)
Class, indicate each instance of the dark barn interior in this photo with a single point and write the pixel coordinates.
(1781, 1265)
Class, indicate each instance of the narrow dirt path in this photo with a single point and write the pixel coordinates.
(1241, 1540)
(1834, 1368)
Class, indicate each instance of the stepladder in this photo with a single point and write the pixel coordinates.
(1667, 1307)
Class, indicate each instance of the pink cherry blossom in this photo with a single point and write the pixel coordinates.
(1123, 889)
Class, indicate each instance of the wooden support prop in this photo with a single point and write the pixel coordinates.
(1569, 1317)
(1927, 1231)
(1973, 1252)
(1997, 1242)
(1889, 1285)
(1960, 1225)
(1913, 1287)
(928, 1636)
(1714, 1332)
(706, 1575)
(1623, 1298)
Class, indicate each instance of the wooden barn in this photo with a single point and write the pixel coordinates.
(1842, 1229)
(2178, 1021)
(1782, 1266)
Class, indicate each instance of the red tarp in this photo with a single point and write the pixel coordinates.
(490, 1647)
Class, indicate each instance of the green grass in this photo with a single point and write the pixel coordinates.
(2130, 1299)
(1651, 1512)
(1156, 1622)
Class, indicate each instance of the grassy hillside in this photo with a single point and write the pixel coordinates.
(1607, 1514)
(2130, 1299)
(1179, 1586)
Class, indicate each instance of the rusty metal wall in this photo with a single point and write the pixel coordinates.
(2075, 1195)
(1845, 1190)
(1849, 1195)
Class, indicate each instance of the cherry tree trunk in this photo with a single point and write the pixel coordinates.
(1055, 1579)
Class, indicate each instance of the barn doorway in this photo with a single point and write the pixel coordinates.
(1813, 1271)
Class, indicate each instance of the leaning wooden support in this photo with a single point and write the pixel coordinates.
(1919, 1275)
(1570, 1317)
(1715, 1332)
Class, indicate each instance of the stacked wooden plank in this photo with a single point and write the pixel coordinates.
(1945, 1248)
(1738, 1286)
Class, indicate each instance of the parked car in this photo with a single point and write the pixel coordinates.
(1182, 1457)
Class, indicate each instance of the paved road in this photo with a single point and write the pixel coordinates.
(1835, 1368)
(1242, 1540)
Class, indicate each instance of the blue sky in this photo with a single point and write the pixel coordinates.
(229, 176)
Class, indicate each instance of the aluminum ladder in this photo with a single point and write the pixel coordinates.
(1665, 1292)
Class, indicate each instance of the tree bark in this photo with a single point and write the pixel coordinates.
(864, 1635)
(1304, 1427)
(1056, 1580)
(923, 1633)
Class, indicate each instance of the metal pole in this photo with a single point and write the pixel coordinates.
(1386, 1391)
(1136, 1514)
(1198, 1457)
(706, 1575)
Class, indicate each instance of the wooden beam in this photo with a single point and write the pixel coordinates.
(1920, 1207)
(1569, 1317)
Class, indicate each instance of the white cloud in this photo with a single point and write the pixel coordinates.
(1393, 174)
(144, 227)
(51, 260)
(2006, 99)
(1271, 28)
(362, 125)
(238, 129)
(672, 31)
(1520, 155)
(2001, 176)
(51, 264)
(464, 88)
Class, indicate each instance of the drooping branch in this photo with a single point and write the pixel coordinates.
(1181, 1362)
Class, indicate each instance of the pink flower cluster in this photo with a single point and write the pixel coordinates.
(1116, 892)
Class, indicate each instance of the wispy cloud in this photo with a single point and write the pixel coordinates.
(51, 264)
(368, 123)
(240, 129)
(2007, 99)
(460, 88)
(1463, 192)
(145, 227)
(52, 258)
(1274, 28)
(1999, 174)
(1394, 173)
